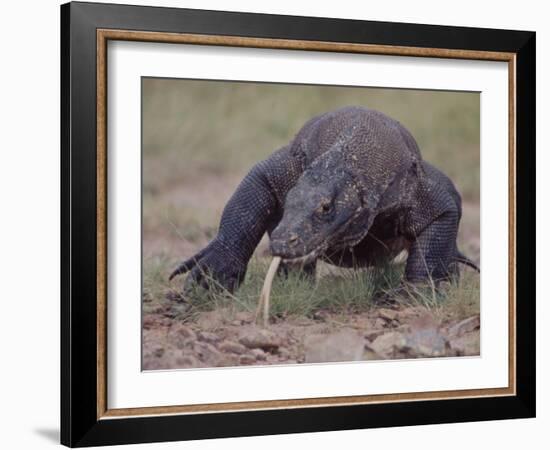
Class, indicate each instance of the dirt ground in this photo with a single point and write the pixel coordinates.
(223, 338)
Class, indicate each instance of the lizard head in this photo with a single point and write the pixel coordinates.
(318, 212)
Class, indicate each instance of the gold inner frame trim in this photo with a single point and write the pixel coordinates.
(103, 36)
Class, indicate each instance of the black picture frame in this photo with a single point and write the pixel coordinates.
(80, 425)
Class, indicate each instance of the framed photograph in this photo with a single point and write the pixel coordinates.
(277, 224)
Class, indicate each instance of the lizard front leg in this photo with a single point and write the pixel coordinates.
(251, 210)
(432, 252)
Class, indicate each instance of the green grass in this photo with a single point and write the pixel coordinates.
(458, 300)
(345, 292)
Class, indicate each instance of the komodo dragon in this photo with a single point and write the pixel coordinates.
(352, 189)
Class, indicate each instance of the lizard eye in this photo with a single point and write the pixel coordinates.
(325, 207)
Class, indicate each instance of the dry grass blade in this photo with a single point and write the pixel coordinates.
(266, 290)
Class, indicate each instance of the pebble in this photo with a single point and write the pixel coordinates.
(258, 354)
(320, 315)
(188, 361)
(206, 351)
(465, 326)
(372, 335)
(232, 347)
(263, 339)
(427, 342)
(370, 354)
(408, 313)
(467, 345)
(244, 317)
(184, 331)
(388, 343)
(181, 336)
(228, 359)
(150, 321)
(387, 314)
(346, 345)
(283, 352)
(247, 359)
(209, 337)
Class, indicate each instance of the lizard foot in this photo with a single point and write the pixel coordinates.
(212, 268)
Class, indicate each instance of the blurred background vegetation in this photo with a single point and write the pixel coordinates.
(193, 128)
(201, 137)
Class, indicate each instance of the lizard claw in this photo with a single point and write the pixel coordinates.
(211, 268)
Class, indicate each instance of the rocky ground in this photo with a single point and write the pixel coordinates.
(222, 338)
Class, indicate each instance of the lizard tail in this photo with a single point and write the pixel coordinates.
(460, 258)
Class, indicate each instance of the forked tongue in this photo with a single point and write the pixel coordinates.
(266, 290)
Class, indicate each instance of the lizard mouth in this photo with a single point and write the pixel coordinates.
(302, 259)
(307, 258)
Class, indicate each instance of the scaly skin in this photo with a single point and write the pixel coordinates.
(352, 189)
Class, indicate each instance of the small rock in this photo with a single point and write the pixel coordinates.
(272, 359)
(247, 359)
(188, 361)
(210, 320)
(387, 314)
(389, 344)
(370, 354)
(379, 323)
(232, 347)
(209, 337)
(158, 352)
(182, 343)
(151, 321)
(466, 345)
(244, 316)
(152, 364)
(464, 326)
(184, 331)
(181, 336)
(228, 360)
(206, 351)
(283, 352)
(164, 320)
(320, 315)
(407, 314)
(301, 321)
(258, 353)
(372, 335)
(345, 345)
(427, 342)
(257, 338)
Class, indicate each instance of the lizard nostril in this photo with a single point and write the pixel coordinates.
(293, 239)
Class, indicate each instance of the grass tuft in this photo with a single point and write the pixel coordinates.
(337, 290)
